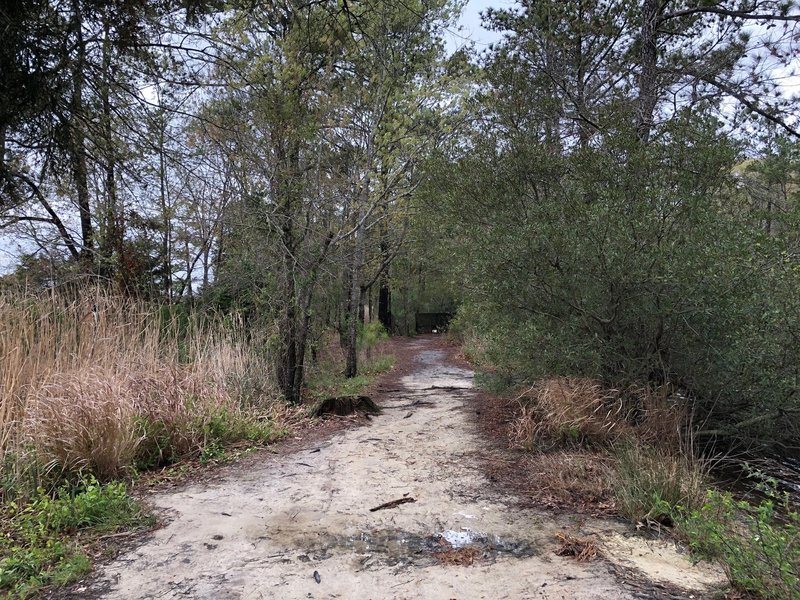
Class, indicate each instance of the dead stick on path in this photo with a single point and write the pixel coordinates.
(392, 504)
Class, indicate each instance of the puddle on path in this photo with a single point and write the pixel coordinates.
(396, 547)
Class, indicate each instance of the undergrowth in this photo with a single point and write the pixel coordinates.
(652, 483)
(657, 480)
(326, 379)
(758, 545)
(93, 382)
(97, 387)
(39, 543)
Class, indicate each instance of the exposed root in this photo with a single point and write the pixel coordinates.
(583, 549)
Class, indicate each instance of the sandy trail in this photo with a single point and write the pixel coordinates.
(264, 533)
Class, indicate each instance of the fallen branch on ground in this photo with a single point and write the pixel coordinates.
(392, 504)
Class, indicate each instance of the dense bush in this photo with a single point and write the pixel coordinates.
(629, 264)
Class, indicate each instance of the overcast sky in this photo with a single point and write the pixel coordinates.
(470, 24)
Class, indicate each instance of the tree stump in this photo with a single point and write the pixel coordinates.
(347, 405)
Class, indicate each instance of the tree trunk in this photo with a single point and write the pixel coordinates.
(80, 173)
(384, 292)
(363, 305)
(580, 83)
(648, 69)
(293, 337)
(354, 301)
(166, 220)
(385, 303)
(113, 234)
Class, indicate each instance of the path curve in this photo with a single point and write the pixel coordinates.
(299, 525)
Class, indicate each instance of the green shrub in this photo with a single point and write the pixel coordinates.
(103, 507)
(370, 334)
(36, 546)
(621, 264)
(381, 364)
(204, 436)
(225, 426)
(758, 544)
(327, 380)
(156, 447)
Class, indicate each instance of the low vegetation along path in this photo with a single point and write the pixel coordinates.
(298, 524)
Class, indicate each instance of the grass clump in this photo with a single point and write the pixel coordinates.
(96, 386)
(758, 545)
(166, 439)
(632, 439)
(579, 412)
(38, 547)
(653, 484)
(656, 480)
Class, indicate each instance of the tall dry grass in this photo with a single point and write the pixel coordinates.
(582, 412)
(84, 377)
(643, 432)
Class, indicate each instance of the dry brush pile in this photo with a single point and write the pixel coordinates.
(99, 383)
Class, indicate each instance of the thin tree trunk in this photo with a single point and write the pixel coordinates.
(384, 292)
(580, 94)
(166, 217)
(281, 186)
(354, 301)
(78, 144)
(648, 72)
(111, 242)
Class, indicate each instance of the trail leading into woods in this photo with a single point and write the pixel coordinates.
(298, 525)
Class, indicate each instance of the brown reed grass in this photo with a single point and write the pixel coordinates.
(80, 372)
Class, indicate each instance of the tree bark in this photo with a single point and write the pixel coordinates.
(384, 291)
(354, 301)
(166, 221)
(111, 246)
(648, 69)
(385, 303)
(80, 173)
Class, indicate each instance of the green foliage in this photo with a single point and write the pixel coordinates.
(163, 443)
(583, 242)
(620, 261)
(157, 445)
(328, 380)
(370, 334)
(758, 544)
(225, 426)
(36, 545)
(380, 364)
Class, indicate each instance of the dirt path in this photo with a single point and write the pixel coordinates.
(266, 532)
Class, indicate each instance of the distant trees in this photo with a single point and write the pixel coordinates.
(339, 106)
(71, 95)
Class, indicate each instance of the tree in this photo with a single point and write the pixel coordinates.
(592, 210)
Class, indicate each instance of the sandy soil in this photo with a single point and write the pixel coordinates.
(299, 525)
